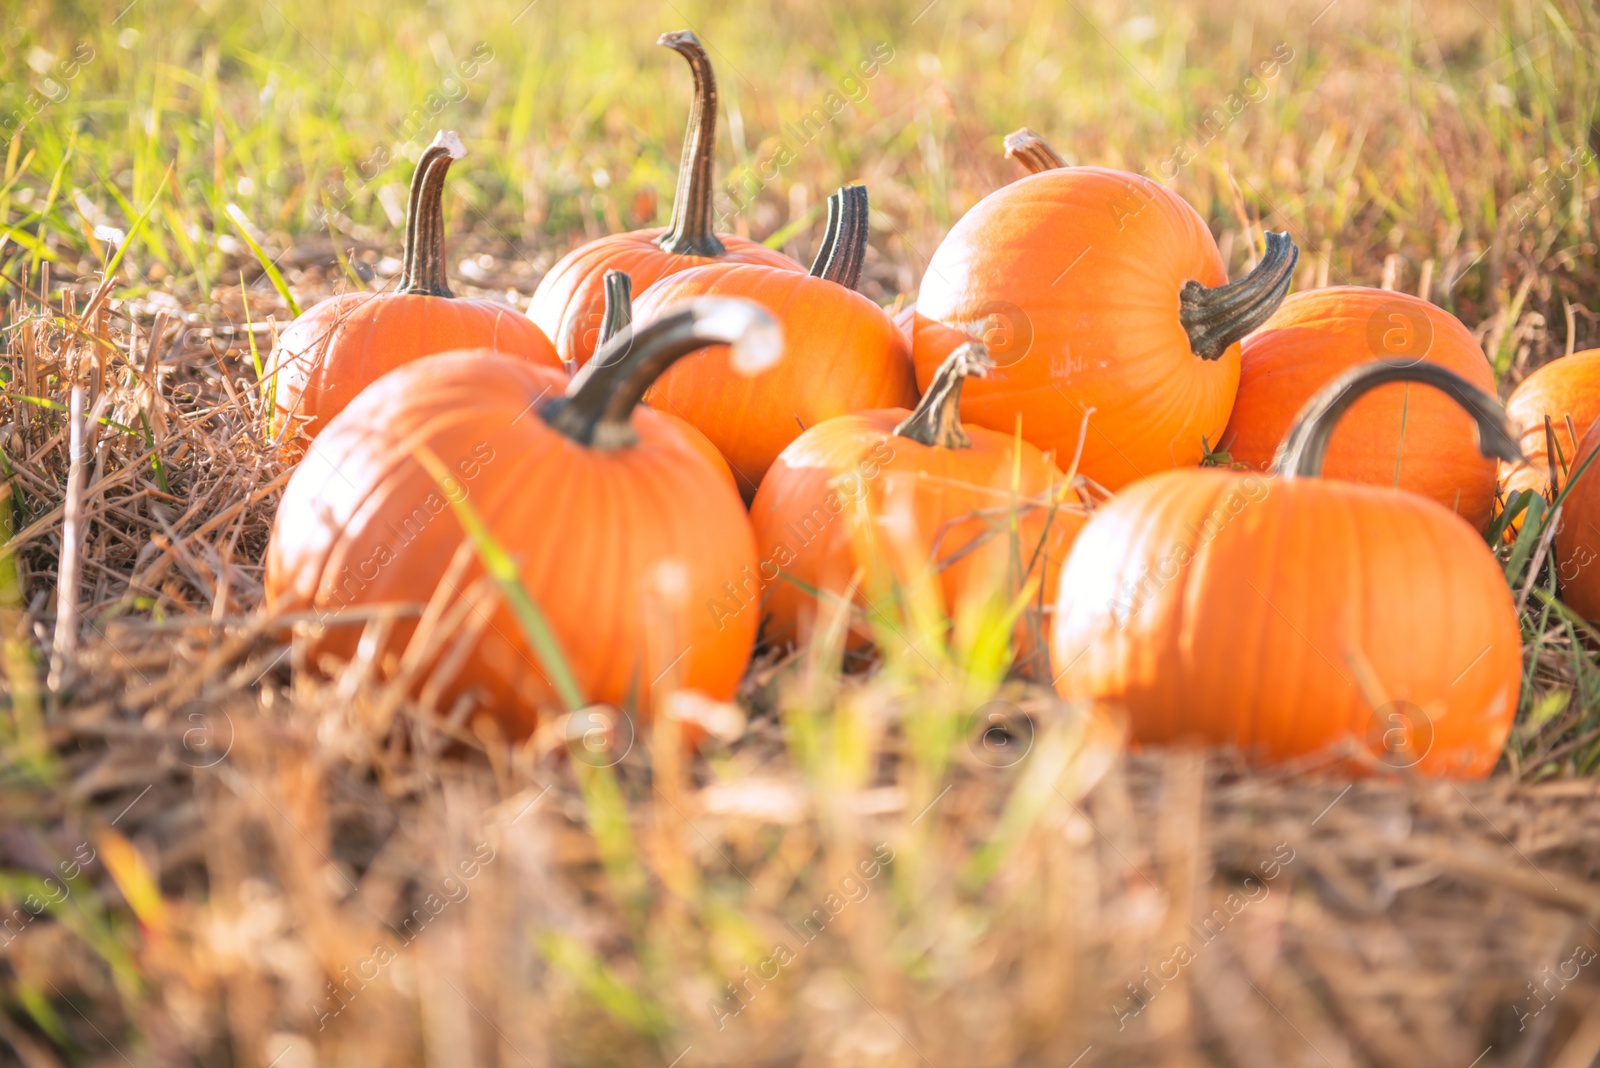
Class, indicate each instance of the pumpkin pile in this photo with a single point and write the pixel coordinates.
(1234, 516)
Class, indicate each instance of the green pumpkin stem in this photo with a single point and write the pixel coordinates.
(830, 235)
(845, 245)
(597, 407)
(1303, 450)
(423, 271)
(1033, 152)
(936, 420)
(619, 305)
(690, 233)
(1217, 316)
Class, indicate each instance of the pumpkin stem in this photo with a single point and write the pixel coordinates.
(1303, 450)
(424, 265)
(1217, 316)
(597, 406)
(936, 420)
(619, 305)
(845, 244)
(690, 233)
(830, 236)
(1033, 152)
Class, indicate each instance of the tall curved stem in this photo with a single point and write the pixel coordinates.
(1217, 316)
(936, 420)
(690, 233)
(424, 271)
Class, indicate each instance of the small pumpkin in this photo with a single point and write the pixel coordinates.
(619, 317)
(1116, 308)
(1291, 615)
(1578, 532)
(569, 303)
(1566, 392)
(844, 352)
(885, 501)
(621, 529)
(341, 345)
(1416, 439)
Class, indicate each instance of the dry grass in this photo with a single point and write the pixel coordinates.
(258, 833)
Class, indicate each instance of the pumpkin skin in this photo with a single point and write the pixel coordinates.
(1084, 269)
(1287, 616)
(844, 355)
(362, 522)
(852, 491)
(1416, 438)
(569, 303)
(339, 346)
(1578, 536)
(1568, 388)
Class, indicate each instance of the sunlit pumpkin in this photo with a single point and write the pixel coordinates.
(1417, 439)
(1567, 393)
(843, 352)
(569, 304)
(1295, 616)
(341, 345)
(621, 530)
(1101, 296)
(892, 502)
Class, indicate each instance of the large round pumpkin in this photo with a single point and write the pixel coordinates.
(1578, 536)
(1416, 439)
(844, 353)
(1295, 616)
(340, 345)
(1567, 393)
(1119, 312)
(621, 531)
(917, 514)
(569, 304)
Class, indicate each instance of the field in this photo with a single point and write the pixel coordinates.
(216, 852)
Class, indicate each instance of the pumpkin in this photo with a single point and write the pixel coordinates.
(1567, 393)
(1289, 616)
(569, 303)
(1578, 532)
(619, 317)
(1417, 439)
(844, 352)
(621, 530)
(890, 501)
(1116, 309)
(340, 345)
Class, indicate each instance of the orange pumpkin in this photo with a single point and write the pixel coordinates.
(619, 317)
(1294, 615)
(886, 502)
(1567, 393)
(844, 352)
(1417, 439)
(339, 346)
(569, 304)
(1578, 535)
(621, 529)
(1116, 309)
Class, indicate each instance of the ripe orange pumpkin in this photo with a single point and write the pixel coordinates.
(844, 352)
(569, 303)
(340, 345)
(621, 529)
(1118, 308)
(1567, 392)
(886, 501)
(1417, 439)
(1578, 535)
(1288, 616)
(619, 317)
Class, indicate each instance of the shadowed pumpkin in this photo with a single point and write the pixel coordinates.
(1297, 617)
(569, 304)
(341, 345)
(843, 352)
(363, 522)
(1416, 439)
